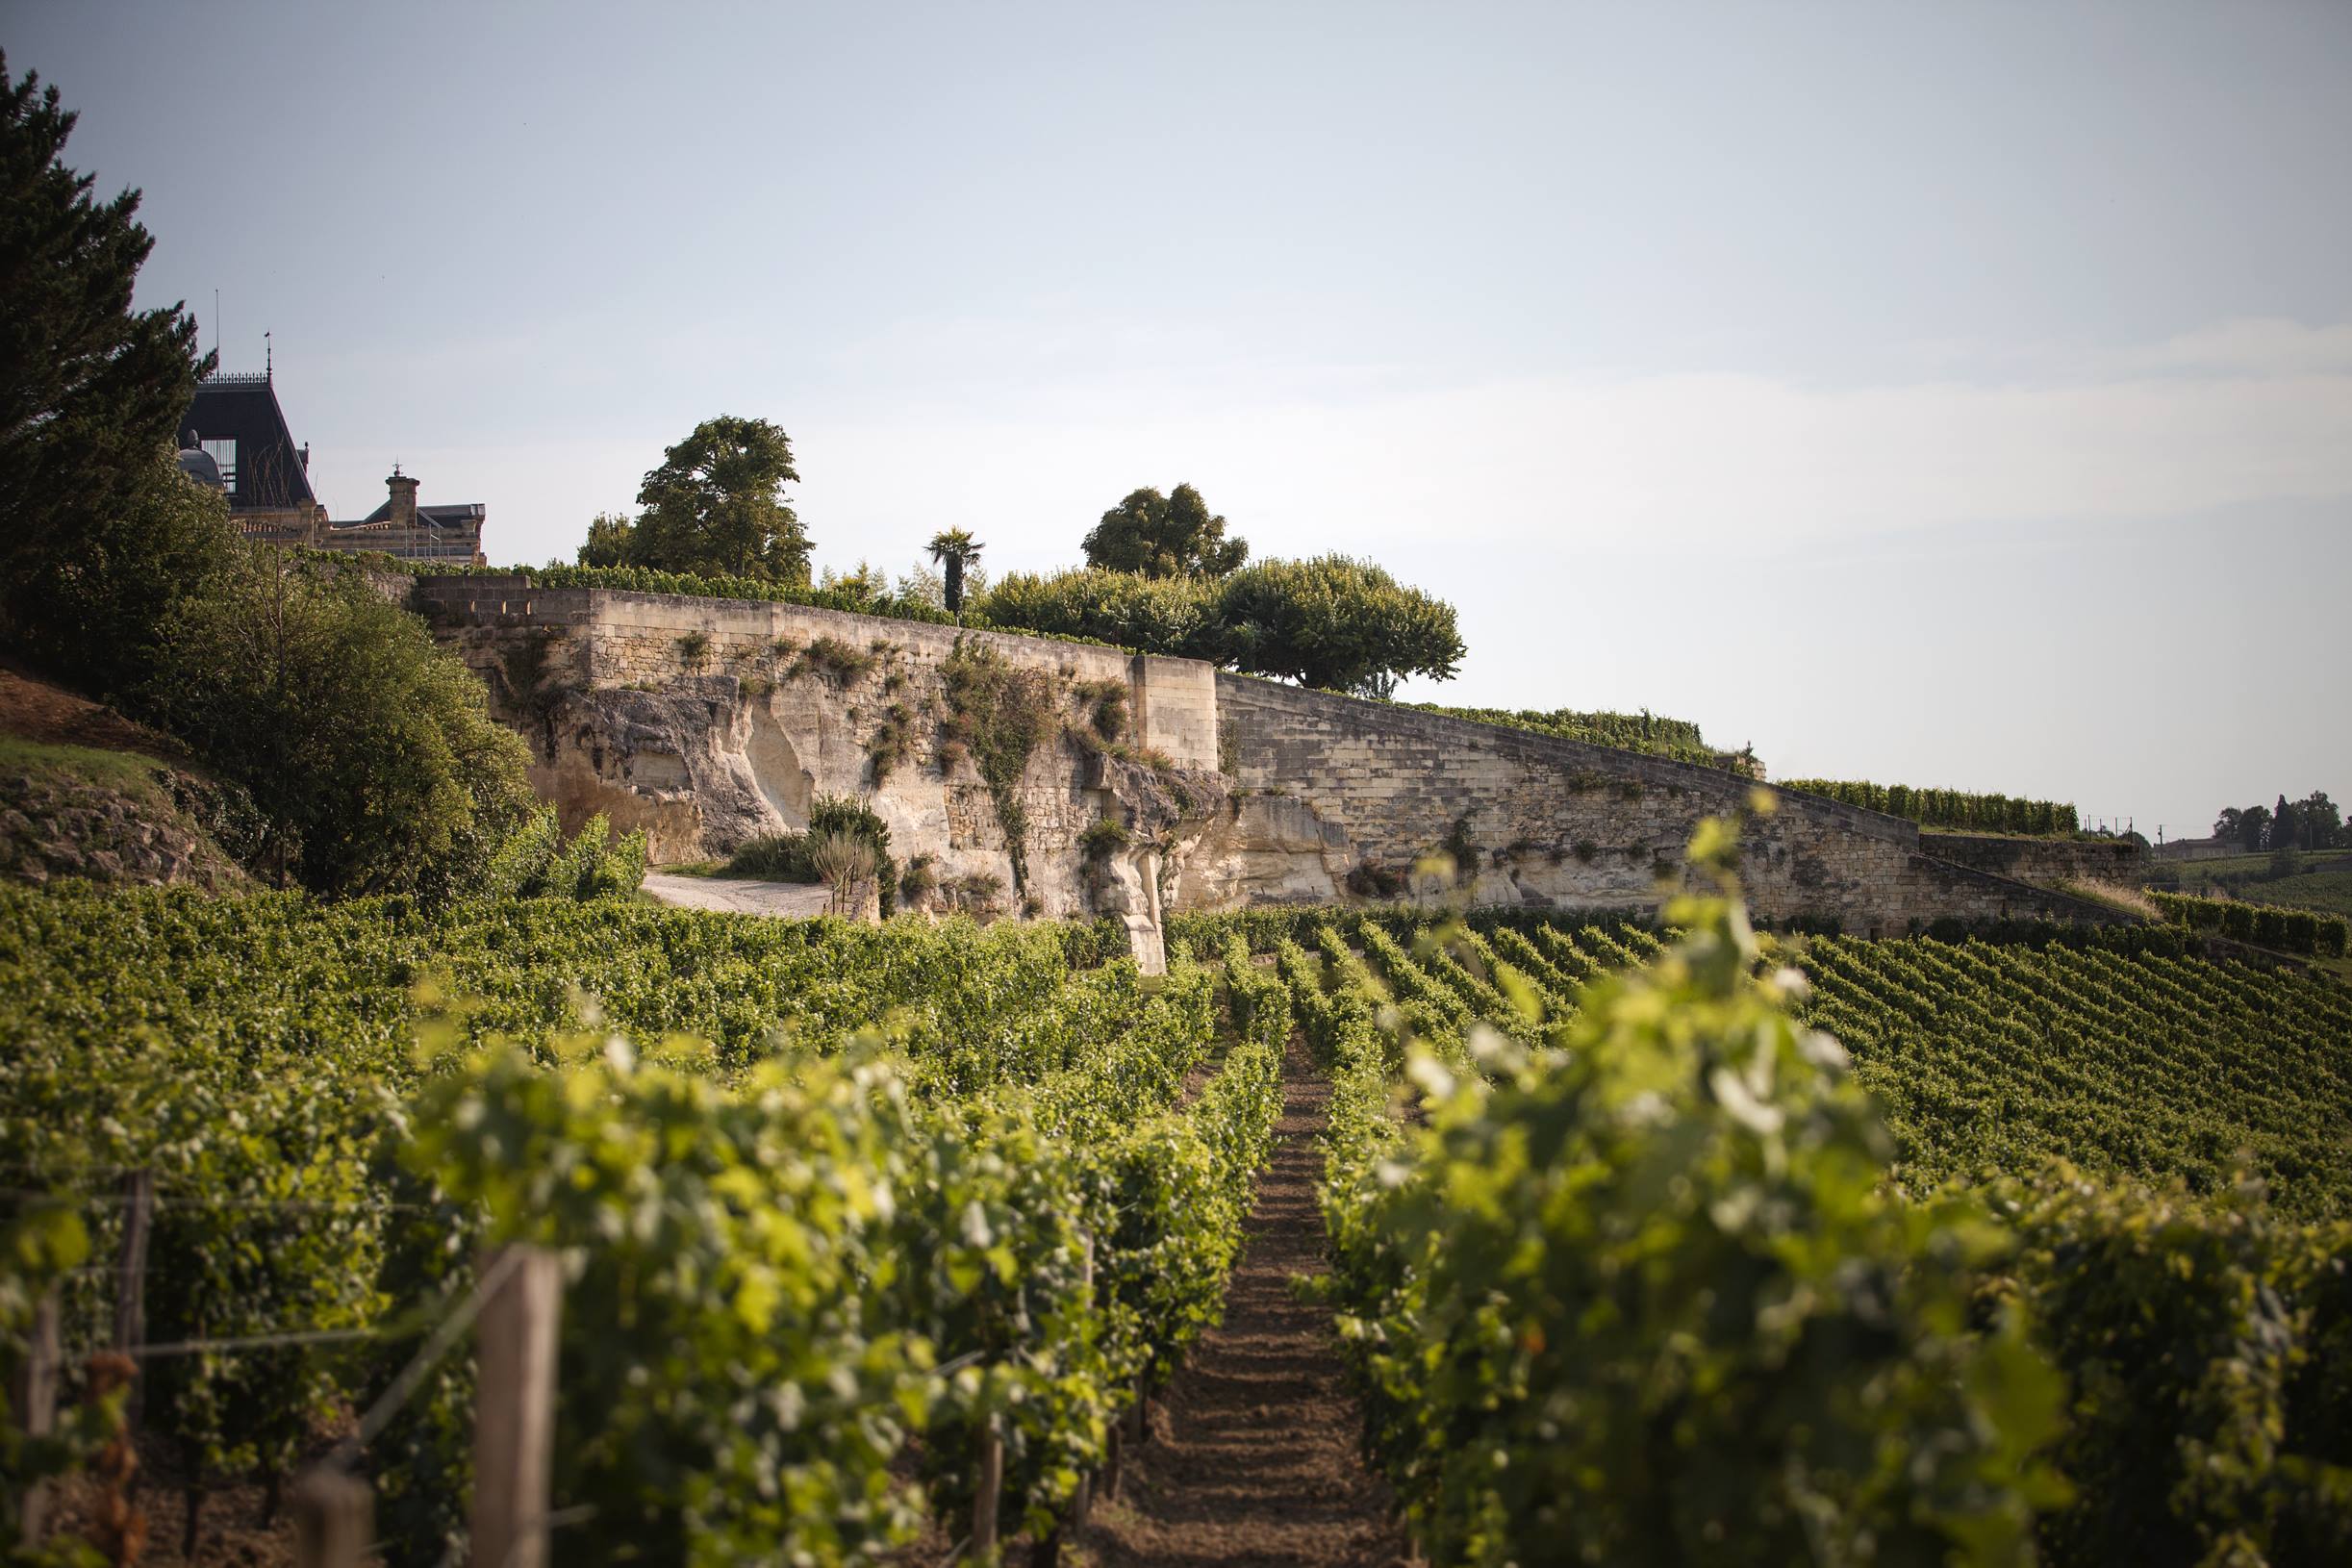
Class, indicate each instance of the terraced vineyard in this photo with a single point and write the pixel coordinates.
(2000, 1058)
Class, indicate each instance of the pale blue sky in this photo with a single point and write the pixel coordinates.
(1958, 394)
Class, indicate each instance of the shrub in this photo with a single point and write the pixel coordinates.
(370, 749)
(2205, 1391)
(693, 651)
(2291, 930)
(835, 660)
(1150, 615)
(772, 857)
(1105, 705)
(893, 741)
(1103, 839)
(844, 862)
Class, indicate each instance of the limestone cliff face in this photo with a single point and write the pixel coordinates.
(709, 722)
(712, 761)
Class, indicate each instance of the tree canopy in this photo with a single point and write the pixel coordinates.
(1164, 536)
(2313, 822)
(609, 538)
(1334, 622)
(715, 507)
(91, 391)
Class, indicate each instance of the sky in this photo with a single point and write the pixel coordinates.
(1955, 395)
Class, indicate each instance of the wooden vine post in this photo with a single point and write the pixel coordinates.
(35, 1401)
(1082, 1504)
(334, 1519)
(991, 1483)
(513, 1424)
(131, 1282)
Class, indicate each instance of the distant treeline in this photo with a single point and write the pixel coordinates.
(1949, 808)
(1676, 738)
(2313, 822)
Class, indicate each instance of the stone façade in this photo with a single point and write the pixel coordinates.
(684, 717)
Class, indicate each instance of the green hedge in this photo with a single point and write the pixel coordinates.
(1676, 738)
(1948, 808)
(2266, 925)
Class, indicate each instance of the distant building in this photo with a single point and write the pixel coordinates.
(2178, 849)
(235, 439)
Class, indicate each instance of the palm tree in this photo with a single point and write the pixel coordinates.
(953, 549)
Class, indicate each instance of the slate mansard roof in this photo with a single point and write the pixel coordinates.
(270, 474)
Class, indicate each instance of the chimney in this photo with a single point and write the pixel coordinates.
(403, 487)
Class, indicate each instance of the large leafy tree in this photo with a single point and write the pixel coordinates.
(1164, 536)
(1336, 622)
(609, 539)
(91, 391)
(716, 506)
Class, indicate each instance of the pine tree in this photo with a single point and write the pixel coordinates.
(91, 391)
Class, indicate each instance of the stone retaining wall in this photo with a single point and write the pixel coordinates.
(2117, 862)
(1565, 824)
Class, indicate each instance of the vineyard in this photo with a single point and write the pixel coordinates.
(1640, 1291)
(1955, 809)
(1644, 1243)
(922, 1189)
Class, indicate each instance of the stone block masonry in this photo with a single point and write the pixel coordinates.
(624, 639)
(700, 721)
(1563, 823)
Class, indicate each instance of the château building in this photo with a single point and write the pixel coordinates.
(236, 439)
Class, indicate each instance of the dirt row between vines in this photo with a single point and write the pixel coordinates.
(1253, 1454)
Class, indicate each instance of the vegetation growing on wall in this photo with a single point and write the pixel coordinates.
(892, 742)
(1103, 712)
(834, 660)
(999, 713)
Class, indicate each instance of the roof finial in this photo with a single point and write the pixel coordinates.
(269, 357)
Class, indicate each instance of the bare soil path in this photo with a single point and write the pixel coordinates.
(1252, 1456)
(736, 895)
